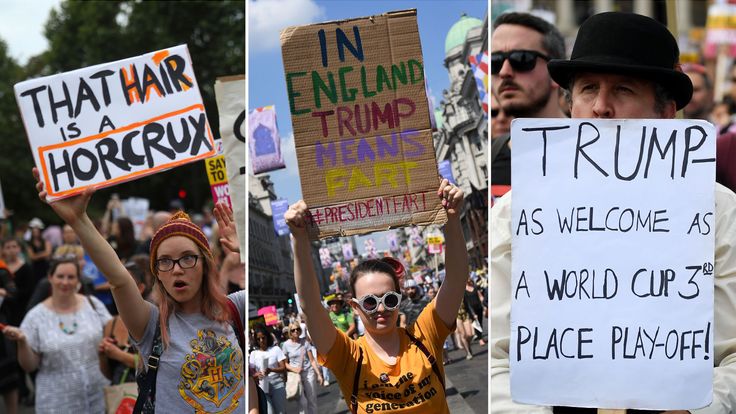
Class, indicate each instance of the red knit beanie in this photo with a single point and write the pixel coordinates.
(179, 225)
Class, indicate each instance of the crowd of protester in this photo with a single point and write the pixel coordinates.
(286, 345)
(63, 340)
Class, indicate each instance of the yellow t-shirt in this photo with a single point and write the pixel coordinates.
(412, 386)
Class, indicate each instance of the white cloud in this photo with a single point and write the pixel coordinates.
(21, 26)
(266, 18)
(288, 153)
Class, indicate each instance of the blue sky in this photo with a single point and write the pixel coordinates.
(266, 84)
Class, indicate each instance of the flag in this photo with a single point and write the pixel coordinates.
(370, 248)
(446, 171)
(479, 65)
(347, 251)
(393, 242)
(325, 258)
(264, 142)
(278, 209)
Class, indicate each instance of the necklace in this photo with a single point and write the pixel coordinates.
(65, 328)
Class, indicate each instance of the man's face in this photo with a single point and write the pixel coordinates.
(411, 292)
(701, 97)
(500, 122)
(521, 93)
(606, 95)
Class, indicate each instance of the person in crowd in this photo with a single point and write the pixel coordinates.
(58, 338)
(8, 362)
(500, 121)
(521, 46)
(118, 357)
(701, 103)
(386, 354)
(193, 314)
(22, 275)
(604, 83)
(464, 329)
(270, 363)
(122, 238)
(39, 250)
(299, 359)
(725, 160)
(473, 300)
(70, 244)
(342, 317)
(413, 304)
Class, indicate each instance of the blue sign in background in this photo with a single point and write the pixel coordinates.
(278, 208)
(446, 171)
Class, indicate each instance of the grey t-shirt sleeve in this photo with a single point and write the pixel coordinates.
(238, 299)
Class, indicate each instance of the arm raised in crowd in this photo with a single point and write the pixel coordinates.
(456, 256)
(318, 320)
(131, 305)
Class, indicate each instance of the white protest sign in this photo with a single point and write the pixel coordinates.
(114, 122)
(612, 270)
(230, 95)
(137, 210)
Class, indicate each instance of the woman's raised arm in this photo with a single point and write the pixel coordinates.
(450, 294)
(318, 320)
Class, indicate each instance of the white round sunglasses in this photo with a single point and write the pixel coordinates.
(369, 303)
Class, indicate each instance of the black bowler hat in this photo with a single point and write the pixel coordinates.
(627, 44)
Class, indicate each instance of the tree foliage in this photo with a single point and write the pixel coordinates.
(81, 34)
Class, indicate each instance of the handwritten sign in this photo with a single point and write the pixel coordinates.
(217, 176)
(270, 314)
(361, 126)
(278, 209)
(114, 122)
(230, 95)
(612, 271)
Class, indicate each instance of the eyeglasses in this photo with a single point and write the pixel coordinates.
(494, 113)
(369, 303)
(185, 262)
(520, 60)
(296, 330)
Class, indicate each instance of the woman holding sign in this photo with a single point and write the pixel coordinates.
(389, 368)
(190, 358)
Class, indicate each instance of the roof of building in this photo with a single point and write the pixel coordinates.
(459, 31)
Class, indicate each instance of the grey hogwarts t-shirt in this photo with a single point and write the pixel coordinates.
(202, 369)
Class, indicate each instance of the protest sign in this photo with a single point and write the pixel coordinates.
(612, 271)
(361, 124)
(445, 169)
(270, 314)
(137, 211)
(264, 142)
(230, 96)
(217, 176)
(114, 122)
(278, 209)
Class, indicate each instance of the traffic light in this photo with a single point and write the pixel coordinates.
(182, 193)
(290, 301)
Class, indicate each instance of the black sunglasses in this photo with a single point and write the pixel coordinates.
(520, 60)
(494, 113)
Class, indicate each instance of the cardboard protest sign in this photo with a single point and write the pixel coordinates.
(217, 176)
(612, 272)
(230, 95)
(361, 124)
(114, 122)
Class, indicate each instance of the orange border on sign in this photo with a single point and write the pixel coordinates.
(132, 175)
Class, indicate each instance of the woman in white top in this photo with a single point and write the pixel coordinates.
(58, 337)
(270, 363)
(300, 360)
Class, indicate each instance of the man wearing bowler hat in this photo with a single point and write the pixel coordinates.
(622, 66)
